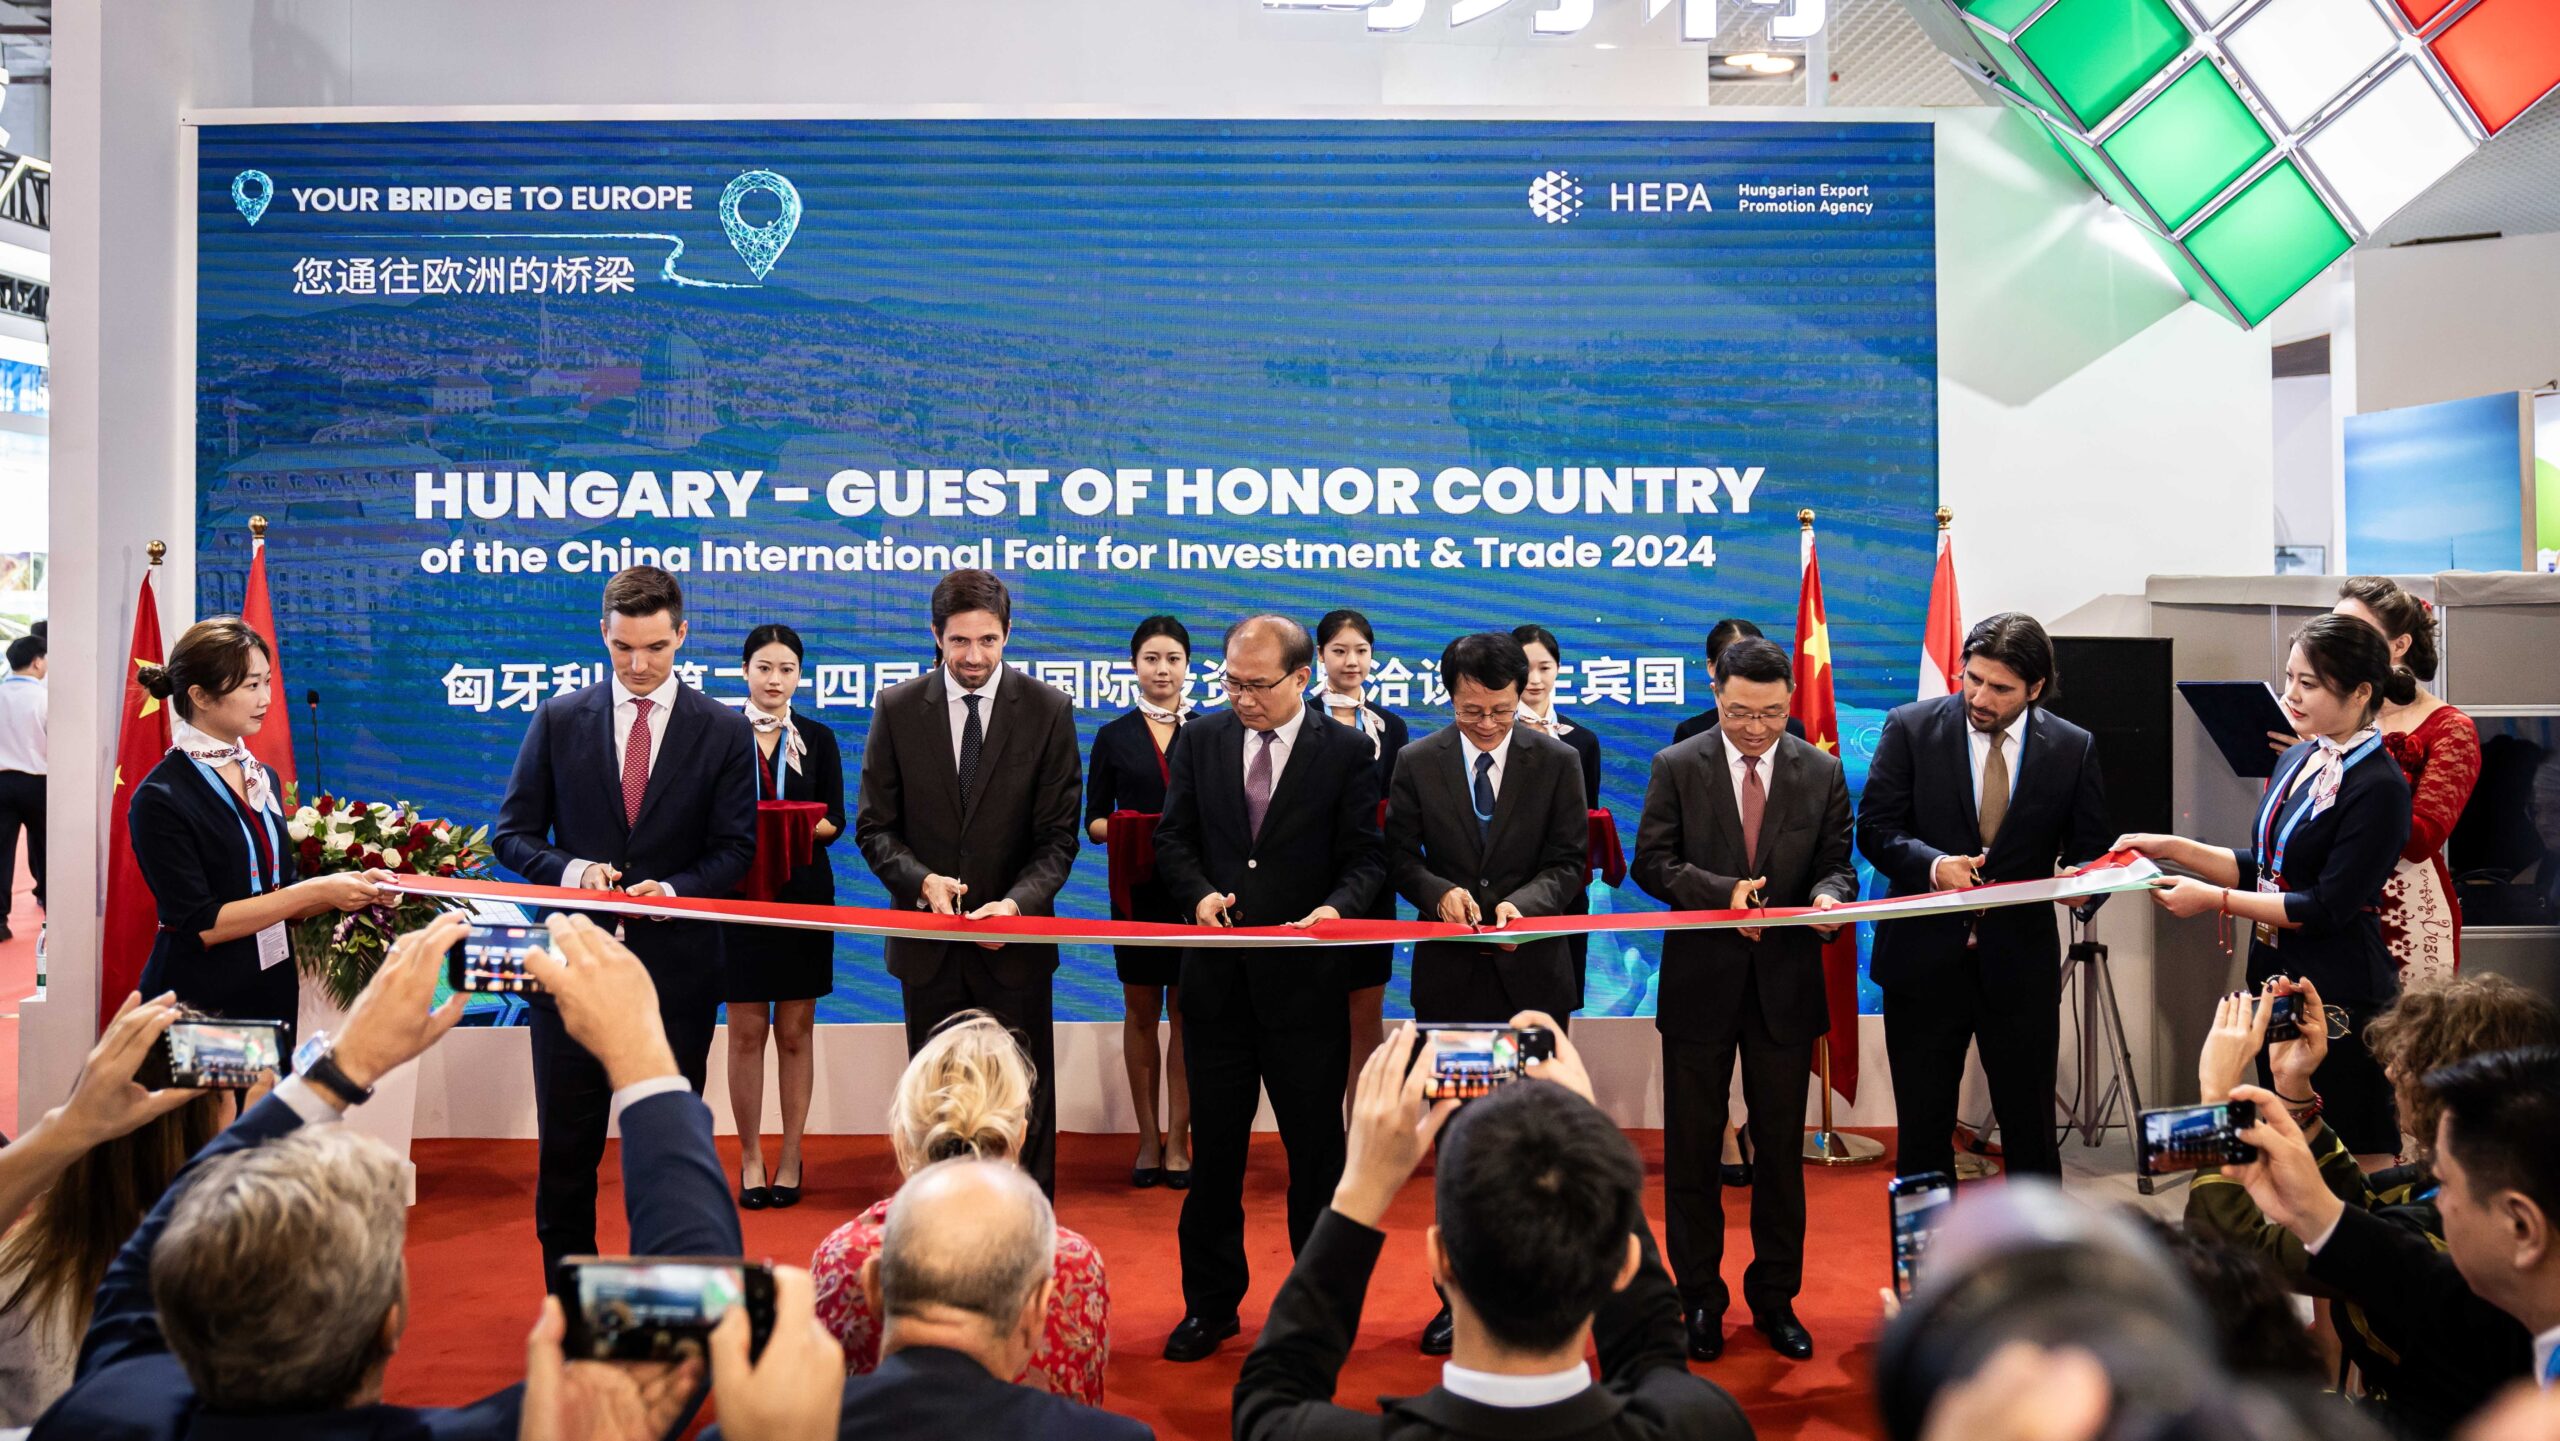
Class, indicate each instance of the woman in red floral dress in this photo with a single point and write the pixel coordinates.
(2439, 750)
(968, 1093)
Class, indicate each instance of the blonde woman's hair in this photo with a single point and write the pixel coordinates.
(966, 1093)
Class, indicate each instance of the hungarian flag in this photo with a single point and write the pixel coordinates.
(1942, 642)
(272, 742)
(132, 919)
(1814, 707)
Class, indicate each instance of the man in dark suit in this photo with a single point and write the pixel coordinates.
(647, 786)
(1724, 633)
(1270, 818)
(1743, 816)
(265, 1293)
(962, 1285)
(1969, 789)
(970, 787)
(1540, 1244)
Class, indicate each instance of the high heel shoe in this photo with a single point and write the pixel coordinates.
(1737, 1174)
(753, 1198)
(1146, 1177)
(783, 1198)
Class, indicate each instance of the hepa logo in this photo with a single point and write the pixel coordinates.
(1555, 197)
(1659, 197)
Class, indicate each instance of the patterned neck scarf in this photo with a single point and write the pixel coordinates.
(201, 747)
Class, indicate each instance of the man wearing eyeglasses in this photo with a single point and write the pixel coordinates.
(1742, 817)
(1270, 819)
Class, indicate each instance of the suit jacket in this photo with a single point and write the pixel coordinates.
(1392, 734)
(926, 1393)
(1015, 840)
(1705, 721)
(1586, 748)
(128, 1386)
(1285, 1392)
(195, 855)
(1689, 856)
(1918, 806)
(2335, 866)
(1533, 856)
(2393, 1270)
(1125, 773)
(696, 831)
(1319, 847)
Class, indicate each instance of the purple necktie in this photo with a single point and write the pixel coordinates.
(1755, 803)
(1257, 788)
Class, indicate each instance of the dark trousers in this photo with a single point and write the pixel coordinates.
(1465, 983)
(968, 979)
(1925, 1031)
(1231, 1062)
(1697, 1076)
(573, 1101)
(21, 804)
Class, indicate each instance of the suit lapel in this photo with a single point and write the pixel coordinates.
(1226, 757)
(1313, 740)
(1519, 769)
(1957, 746)
(937, 727)
(1012, 701)
(611, 744)
(683, 724)
(1780, 768)
(1720, 804)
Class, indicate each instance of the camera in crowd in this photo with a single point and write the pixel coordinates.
(491, 960)
(1468, 1061)
(2182, 1138)
(204, 1053)
(658, 1308)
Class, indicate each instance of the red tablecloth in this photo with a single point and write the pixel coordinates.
(786, 837)
(1606, 858)
(1130, 843)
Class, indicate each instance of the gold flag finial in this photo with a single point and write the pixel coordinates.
(159, 551)
(1805, 518)
(257, 527)
(1946, 517)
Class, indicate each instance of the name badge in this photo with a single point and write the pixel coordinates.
(272, 947)
(2266, 935)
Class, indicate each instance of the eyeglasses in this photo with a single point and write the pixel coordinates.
(1759, 717)
(1477, 715)
(1255, 687)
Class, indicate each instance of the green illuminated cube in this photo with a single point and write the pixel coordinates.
(2080, 59)
(2186, 145)
(2267, 242)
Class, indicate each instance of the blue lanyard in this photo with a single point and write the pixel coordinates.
(259, 879)
(2272, 842)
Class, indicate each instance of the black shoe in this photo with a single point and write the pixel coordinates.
(1786, 1334)
(1145, 1177)
(784, 1197)
(756, 1198)
(1441, 1336)
(1196, 1339)
(1706, 1334)
(1177, 1180)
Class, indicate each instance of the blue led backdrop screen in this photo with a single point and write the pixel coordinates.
(1456, 375)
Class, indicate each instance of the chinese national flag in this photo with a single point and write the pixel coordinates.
(272, 742)
(132, 918)
(1814, 707)
(1942, 641)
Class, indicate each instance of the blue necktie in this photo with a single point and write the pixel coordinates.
(1484, 794)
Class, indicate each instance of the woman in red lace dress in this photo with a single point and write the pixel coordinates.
(968, 1093)
(2439, 750)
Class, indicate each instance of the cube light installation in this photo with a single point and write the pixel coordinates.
(2256, 141)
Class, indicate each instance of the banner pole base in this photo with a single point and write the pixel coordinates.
(1826, 1146)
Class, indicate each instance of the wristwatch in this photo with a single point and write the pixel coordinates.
(316, 1060)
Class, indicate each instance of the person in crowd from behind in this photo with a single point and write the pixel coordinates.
(74, 1185)
(2438, 749)
(1724, 633)
(1271, 819)
(2423, 1385)
(2257, 1331)
(1129, 772)
(1742, 817)
(266, 1292)
(1538, 1240)
(968, 1093)
(1346, 649)
(964, 1279)
(208, 828)
(968, 808)
(774, 975)
(2494, 1288)
(1975, 788)
(22, 768)
(1538, 712)
(2326, 839)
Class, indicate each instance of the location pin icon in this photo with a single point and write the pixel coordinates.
(759, 245)
(251, 190)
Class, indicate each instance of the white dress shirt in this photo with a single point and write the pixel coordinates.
(1284, 739)
(953, 697)
(1468, 751)
(1978, 745)
(1733, 765)
(626, 710)
(1515, 1392)
(22, 719)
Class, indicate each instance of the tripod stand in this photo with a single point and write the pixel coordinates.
(2092, 1110)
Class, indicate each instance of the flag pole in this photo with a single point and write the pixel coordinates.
(1827, 1145)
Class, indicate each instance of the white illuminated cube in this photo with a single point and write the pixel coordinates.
(2300, 54)
(2397, 139)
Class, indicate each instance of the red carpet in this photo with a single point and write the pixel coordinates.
(473, 1265)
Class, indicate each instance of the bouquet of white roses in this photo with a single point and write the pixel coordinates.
(333, 833)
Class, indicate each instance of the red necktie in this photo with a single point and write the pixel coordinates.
(1755, 803)
(635, 763)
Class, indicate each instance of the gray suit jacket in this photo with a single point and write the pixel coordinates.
(1535, 855)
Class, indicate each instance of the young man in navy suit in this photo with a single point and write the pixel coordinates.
(647, 786)
(1965, 790)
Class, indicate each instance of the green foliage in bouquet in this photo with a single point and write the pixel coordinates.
(341, 951)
